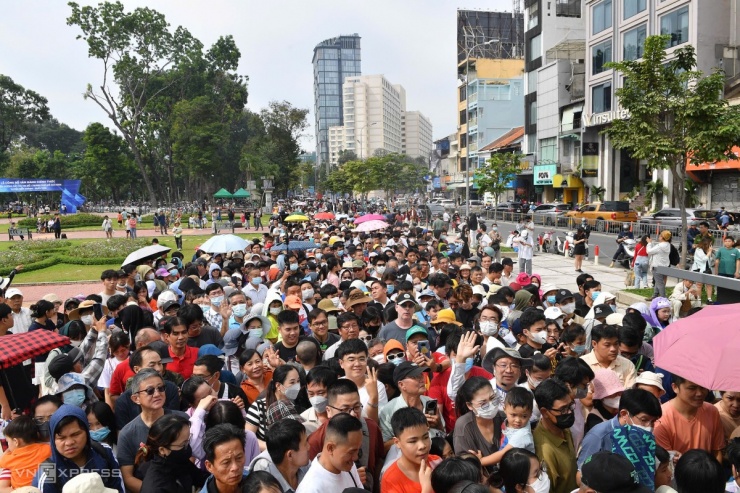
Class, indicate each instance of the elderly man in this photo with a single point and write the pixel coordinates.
(21, 315)
(349, 328)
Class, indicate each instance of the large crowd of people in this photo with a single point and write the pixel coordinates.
(402, 360)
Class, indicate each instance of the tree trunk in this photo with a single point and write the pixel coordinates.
(142, 169)
(678, 171)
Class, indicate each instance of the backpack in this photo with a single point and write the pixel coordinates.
(674, 258)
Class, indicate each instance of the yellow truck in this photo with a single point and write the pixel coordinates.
(604, 216)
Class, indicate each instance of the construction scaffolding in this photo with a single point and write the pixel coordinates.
(476, 27)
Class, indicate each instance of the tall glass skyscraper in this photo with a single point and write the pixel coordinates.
(333, 60)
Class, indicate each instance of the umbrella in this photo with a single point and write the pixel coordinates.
(703, 348)
(223, 194)
(324, 215)
(372, 225)
(16, 348)
(296, 218)
(241, 194)
(147, 253)
(294, 245)
(298, 203)
(369, 217)
(342, 216)
(224, 244)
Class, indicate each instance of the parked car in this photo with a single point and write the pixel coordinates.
(448, 204)
(552, 214)
(511, 207)
(670, 218)
(604, 215)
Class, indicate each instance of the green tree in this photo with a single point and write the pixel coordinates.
(284, 125)
(106, 168)
(19, 107)
(496, 174)
(346, 155)
(54, 136)
(677, 115)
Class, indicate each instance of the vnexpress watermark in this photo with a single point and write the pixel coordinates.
(53, 474)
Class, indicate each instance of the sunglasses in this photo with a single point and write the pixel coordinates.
(150, 391)
(391, 357)
(366, 338)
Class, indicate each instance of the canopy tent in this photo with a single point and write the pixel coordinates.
(223, 194)
(241, 194)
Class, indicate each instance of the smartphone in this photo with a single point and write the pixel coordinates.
(423, 347)
(98, 311)
(430, 406)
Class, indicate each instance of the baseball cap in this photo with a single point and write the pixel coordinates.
(163, 350)
(13, 292)
(465, 267)
(209, 349)
(446, 316)
(405, 298)
(507, 261)
(64, 363)
(546, 288)
(52, 298)
(615, 319)
(416, 329)
(607, 472)
(89, 481)
(602, 311)
(162, 272)
(170, 304)
(358, 264)
(553, 313)
(293, 302)
(407, 369)
(562, 294)
(426, 293)
(497, 353)
(474, 258)
(651, 378)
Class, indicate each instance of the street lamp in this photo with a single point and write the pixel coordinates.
(467, 120)
(361, 129)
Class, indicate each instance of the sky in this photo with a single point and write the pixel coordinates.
(411, 42)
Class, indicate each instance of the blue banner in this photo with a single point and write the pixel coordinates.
(70, 189)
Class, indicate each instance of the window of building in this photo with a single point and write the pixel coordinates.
(568, 8)
(535, 48)
(533, 112)
(531, 143)
(463, 117)
(634, 7)
(533, 15)
(549, 150)
(634, 43)
(601, 16)
(601, 54)
(601, 98)
(463, 93)
(676, 24)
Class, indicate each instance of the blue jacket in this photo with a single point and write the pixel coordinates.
(54, 474)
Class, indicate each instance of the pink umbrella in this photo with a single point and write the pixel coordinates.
(369, 217)
(703, 348)
(372, 225)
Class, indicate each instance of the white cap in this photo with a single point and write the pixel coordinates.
(546, 288)
(553, 313)
(89, 482)
(13, 292)
(479, 289)
(651, 378)
(614, 319)
(166, 296)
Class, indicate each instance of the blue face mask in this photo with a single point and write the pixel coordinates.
(468, 364)
(74, 397)
(256, 281)
(340, 252)
(580, 349)
(390, 288)
(217, 300)
(101, 434)
(551, 300)
(595, 295)
(294, 267)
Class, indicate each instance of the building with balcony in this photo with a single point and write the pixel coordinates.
(333, 60)
(616, 30)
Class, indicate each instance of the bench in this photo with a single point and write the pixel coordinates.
(22, 232)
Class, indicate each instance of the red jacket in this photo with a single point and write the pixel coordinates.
(438, 390)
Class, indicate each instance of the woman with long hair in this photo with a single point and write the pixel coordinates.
(42, 313)
(703, 256)
(521, 471)
(276, 401)
(165, 458)
(640, 262)
(119, 347)
(579, 247)
(330, 272)
(102, 424)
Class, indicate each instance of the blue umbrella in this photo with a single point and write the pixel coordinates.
(294, 245)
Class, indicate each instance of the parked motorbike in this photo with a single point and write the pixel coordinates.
(570, 239)
(545, 240)
(625, 259)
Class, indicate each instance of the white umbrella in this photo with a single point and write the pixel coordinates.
(224, 244)
(147, 253)
(372, 225)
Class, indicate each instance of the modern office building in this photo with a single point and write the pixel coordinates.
(490, 93)
(416, 139)
(336, 143)
(616, 30)
(334, 60)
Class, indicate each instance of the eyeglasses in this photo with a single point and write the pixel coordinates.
(39, 420)
(565, 410)
(346, 410)
(508, 366)
(350, 327)
(391, 357)
(151, 390)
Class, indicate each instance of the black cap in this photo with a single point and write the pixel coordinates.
(64, 363)
(169, 304)
(405, 298)
(602, 311)
(163, 349)
(607, 472)
(562, 294)
(507, 261)
(407, 369)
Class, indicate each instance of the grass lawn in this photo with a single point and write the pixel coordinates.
(648, 292)
(72, 272)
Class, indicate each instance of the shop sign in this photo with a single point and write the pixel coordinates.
(543, 174)
(591, 120)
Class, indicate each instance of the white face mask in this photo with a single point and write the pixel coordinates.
(538, 337)
(487, 410)
(488, 328)
(76, 343)
(541, 485)
(380, 358)
(568, 308)
(275, 311)
(612, 402)
(335, 302)
(307, 294)
(87, 320)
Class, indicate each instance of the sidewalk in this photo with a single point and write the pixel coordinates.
(148, 232)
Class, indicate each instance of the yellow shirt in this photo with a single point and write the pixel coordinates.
(621, 366)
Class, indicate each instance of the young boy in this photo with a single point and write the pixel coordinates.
(412, 472)
(728, 259)
(518, 407)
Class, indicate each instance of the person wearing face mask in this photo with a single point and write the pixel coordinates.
(540, 371)
(73, 390)
(574, 341)
(254, 288)
(164, 460)
(607, 391)
(637, 408)
(552, 437)
(591, 290)
(318, 380)
(281, 394)
(271, 309)
(308, 295)
(534, 323)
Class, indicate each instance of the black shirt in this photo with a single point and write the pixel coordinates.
(287, 354)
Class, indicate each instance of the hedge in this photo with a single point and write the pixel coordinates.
(83, 219)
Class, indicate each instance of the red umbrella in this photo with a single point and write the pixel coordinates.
(324, 215)
(703, 348)
(16, 348)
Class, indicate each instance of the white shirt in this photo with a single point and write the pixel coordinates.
(257, 295)
(319, 480)
(21, 321)
(365, 398)
(108, 367)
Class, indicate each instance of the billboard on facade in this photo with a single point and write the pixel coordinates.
(70, 189)
(590, 155)
(543, 174)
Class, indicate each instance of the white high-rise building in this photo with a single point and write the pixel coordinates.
(336, 143)
(416, 139)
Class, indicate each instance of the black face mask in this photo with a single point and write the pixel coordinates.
(180, 456)
(565, 421)
(45, 431)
